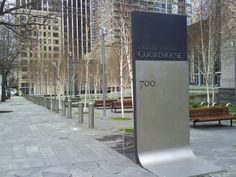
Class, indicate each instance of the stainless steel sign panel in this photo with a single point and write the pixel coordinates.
(161, 96)
(161, 110)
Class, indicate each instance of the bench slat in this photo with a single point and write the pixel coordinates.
(126, 103)
(210, 114)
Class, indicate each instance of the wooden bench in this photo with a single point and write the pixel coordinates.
(208, 114)
(74, 102)
(117, 104)
(108, 103)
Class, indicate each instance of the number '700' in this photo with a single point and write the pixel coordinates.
(147, 83)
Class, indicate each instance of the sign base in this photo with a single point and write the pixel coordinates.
(189, 166)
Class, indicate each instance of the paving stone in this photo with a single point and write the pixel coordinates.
(51, 160)
(19, 151)
(132, 171)
(20, 164)
(54, 174)
(35, 142)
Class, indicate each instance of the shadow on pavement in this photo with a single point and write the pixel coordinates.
(122, 143)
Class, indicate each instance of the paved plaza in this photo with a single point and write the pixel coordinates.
(35, 142)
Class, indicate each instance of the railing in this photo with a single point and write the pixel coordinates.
(53, 104)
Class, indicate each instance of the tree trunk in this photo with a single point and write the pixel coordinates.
(95, 90)
(3, 99)
(122, 94)
(213, 88)
(122, 85)
(207, 90)
(130, 76)
(86, 85)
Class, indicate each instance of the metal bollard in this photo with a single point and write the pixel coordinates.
(45, 102)
(80, 113)
(69, 109)
(63, 102)
(48, 103)
(91, 116)
(56, 105)
(42, 101)
(51, 103)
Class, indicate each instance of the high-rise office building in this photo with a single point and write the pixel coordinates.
(100, 14)
(76, 27)
(108, 14)
(41, 50)
(74, 35)
(80, 22)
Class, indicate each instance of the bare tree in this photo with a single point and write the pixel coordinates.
(124, 26)
(20, 20)
(89, 57)
(118, 18)
(8, 56)
(204, 38)
(113, 72)
(10, 11)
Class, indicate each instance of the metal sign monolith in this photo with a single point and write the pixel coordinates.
(161, 96)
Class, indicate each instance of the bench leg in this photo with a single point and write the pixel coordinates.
(219, 122)
(231, 122)
(194, 124)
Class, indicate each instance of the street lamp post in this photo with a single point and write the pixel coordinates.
(69, 112)
(54, 79)
(233, 44)
(45, 77)
(234, 47)
(103, 32)
(69, 75)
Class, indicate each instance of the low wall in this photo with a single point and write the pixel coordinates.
(226, 95)
(43, 101)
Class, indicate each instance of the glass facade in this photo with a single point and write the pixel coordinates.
(168, 7)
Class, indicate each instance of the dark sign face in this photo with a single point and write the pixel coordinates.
(161, 37)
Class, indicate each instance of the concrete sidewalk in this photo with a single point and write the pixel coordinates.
(35, 142)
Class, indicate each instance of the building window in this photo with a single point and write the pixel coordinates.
(24, 69)
(24, 54)
(56, 48)
(23, 47)
(23, 62)
(56, 20)
(24, 76)
(55, 28)
(55, 35)
(24, 84)
(55, 41)
(56, 55)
